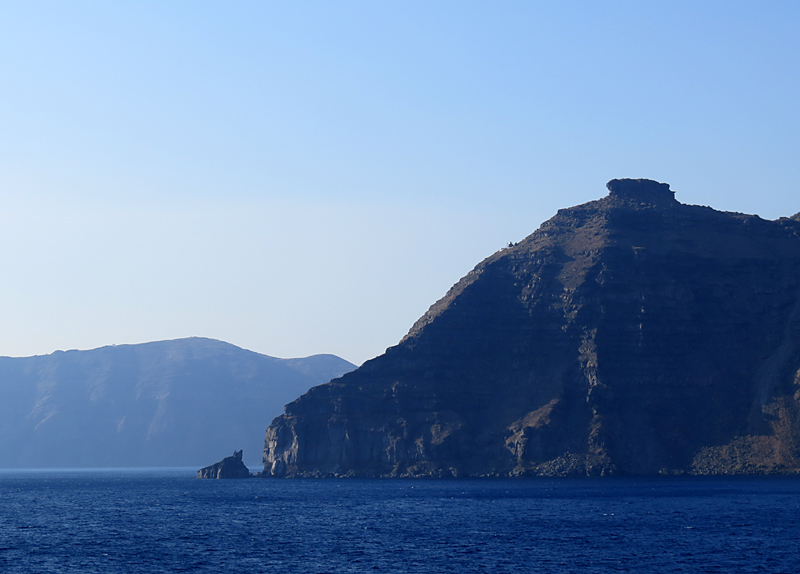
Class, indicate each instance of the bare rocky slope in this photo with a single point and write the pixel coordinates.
(167, 403)
(631, 335)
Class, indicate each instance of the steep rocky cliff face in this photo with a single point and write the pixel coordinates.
(629, 335)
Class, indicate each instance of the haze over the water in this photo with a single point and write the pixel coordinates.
(308, 177)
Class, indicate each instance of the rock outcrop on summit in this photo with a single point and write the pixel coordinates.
(631, 335)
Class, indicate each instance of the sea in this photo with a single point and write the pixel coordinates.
(166, 520)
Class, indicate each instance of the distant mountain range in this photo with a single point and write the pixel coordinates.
(186, 402)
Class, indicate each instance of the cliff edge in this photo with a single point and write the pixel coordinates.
(631, 335)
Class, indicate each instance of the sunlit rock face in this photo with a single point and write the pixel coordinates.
(630, 335)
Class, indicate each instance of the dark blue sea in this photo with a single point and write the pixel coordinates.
(168, 521)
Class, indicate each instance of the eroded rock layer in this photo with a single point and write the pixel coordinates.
(629, 335)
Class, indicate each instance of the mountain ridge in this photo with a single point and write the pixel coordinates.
(161, 403)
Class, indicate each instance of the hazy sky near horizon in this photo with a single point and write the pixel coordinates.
(308, 177)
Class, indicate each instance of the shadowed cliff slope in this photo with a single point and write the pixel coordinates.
(629, 335)
(166, 403)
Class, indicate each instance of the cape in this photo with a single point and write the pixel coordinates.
(631, 335)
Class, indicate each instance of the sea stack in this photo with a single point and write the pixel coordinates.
(632, 335)
(228, 467)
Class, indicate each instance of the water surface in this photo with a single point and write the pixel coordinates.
(168, 521)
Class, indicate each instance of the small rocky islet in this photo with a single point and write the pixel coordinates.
(229, 467)
(631, 335)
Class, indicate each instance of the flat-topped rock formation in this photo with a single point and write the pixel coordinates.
(631, 335)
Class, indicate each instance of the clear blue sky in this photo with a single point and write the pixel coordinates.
(308, 177)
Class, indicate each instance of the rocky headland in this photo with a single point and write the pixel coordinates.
(631, 335)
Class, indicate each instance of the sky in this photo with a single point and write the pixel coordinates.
(309, 177)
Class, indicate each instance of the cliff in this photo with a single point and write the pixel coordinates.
(165, 403)
(228, 467)
(631, 335)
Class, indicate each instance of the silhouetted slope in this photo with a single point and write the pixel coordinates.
(630, 335)
(165, 403)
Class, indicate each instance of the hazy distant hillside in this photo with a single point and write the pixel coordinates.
(183, 402)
